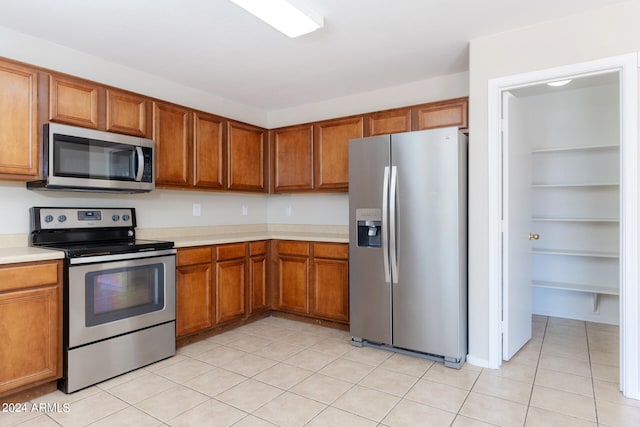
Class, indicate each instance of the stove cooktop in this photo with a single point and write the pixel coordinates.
(74, 250)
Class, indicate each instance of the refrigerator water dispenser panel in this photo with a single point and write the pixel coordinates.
(369, 224)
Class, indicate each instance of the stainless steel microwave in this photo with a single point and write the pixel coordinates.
(81, 159)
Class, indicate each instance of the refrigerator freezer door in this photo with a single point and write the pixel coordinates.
(369, 290)
(428, 300)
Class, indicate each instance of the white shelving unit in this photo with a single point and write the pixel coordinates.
(576, 214)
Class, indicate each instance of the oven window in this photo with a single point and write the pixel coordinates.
(123, 292)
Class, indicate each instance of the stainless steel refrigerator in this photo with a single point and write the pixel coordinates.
(408, 243)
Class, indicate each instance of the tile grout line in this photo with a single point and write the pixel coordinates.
(544, 334)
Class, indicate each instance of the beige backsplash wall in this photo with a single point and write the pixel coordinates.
(174, 208)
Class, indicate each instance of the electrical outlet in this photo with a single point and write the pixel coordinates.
(196, 209)
(245, 210)
(288, 211)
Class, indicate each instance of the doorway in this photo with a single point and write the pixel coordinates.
(564, 210)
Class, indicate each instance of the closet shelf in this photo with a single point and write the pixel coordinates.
(570, 252)
(580, 287)
(607, 220)
(576, 185)
(594, 290)
(569, 149)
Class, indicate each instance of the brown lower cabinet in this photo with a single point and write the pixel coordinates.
(220, 285)
(313, 279)
(30, 325)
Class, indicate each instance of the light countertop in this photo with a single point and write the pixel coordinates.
(15, 249)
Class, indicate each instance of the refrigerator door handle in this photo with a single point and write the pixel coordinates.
(385, 235)
(392, 227)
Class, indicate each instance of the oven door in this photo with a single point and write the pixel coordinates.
(110, 295)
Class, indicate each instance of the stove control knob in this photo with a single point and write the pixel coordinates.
(125, 217)
(115, 217)
(48, 218)
(62, 218)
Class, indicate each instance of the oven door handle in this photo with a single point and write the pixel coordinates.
(120, 257)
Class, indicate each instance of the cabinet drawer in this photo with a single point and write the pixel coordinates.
(293, 248)
(20, 276)
(257, 248)
(231, 251)
(331, 250)
(190, 256)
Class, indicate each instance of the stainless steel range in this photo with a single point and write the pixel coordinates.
(119, 292)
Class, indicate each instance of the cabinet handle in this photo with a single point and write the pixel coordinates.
(534, 236)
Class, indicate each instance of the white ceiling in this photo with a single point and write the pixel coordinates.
(217, 47)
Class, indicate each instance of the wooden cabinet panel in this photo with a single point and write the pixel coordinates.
(73, 102)
(30, 325)
(30, 334)
(293, 283)
(246, 159)
(19, 145)
(257, 248)
(126, 113)
(258, 297)
(230, 289)
(231, 251)
(290, 247)
(330, 289)
(172, 144)
(208, 153)
(13, 277)
(293, 158)
(391, 121)
(331, 151)
(331, 250)
(441, 114)
(197, 255)
(194, 292)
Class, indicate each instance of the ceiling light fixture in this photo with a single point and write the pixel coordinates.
(283, 16)
(559, 83)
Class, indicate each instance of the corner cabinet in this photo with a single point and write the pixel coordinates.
(576, 219)
(246, 157)
(292, 158)
(19, 146)
(31, 319)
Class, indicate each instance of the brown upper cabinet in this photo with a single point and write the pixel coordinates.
(126, 113)
(452, 112)
(331, 151)
(246, 157)
(73, 101)
(208, 151)
(19, 144)
(390, 121)
(292, 158)
(173, 144)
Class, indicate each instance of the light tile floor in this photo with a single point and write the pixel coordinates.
(286, 373)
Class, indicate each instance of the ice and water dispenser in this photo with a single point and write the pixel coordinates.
(369, 224)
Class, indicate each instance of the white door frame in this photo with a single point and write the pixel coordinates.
(627, 66)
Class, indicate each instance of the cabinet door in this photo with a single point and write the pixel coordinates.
(330, 289)
(293, 283)
(246, 158)
(230, 293)
(172, 144)
(441, 114)
(194, 308)
(74, 102)
(18, 122)
(126, 113)
(208, 152)
(391, 121)
(30, 329)
(293, 158)
(332, 152)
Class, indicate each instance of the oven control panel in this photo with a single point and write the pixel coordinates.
(63, 218)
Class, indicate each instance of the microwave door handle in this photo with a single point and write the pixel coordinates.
(140, 164)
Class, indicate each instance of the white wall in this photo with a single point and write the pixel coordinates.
(583, 37)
